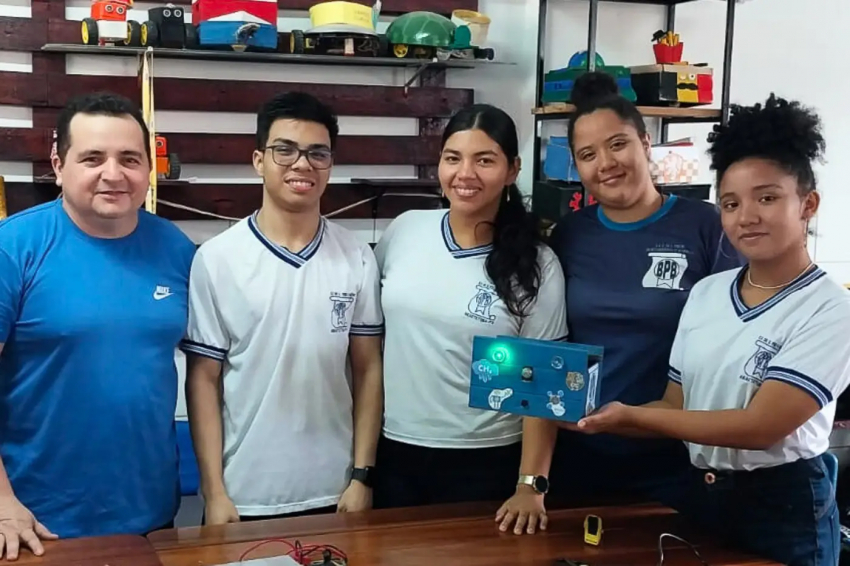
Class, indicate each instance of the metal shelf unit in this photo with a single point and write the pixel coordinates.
(667, 115)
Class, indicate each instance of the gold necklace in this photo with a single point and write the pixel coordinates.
(769, 287)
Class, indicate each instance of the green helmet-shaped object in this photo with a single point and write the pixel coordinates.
(421, 28)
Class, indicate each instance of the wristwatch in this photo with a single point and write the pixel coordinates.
(363, 475)
(538, 483)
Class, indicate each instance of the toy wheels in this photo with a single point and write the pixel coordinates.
(134, 34)
(400, 50)
(485, 53)
(173, 167)
(89, 31)
(150, 34)
(297, 42)
(192, 41)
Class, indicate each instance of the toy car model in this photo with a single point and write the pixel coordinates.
(167, 164)
(339, 41)
(428, 35)
(108, 24)
(166, 27)
(339, 28)
(236, 24)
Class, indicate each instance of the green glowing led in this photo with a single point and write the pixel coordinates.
(499, 354)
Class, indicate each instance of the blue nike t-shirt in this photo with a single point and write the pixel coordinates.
(627, 284)
(88, 384)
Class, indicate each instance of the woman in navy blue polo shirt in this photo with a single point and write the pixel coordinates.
(630, 261)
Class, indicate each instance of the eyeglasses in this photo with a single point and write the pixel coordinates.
(286, 155)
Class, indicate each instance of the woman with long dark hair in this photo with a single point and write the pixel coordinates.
(479, 268)
(630, 261)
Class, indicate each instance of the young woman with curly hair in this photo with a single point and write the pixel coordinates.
(761, 353)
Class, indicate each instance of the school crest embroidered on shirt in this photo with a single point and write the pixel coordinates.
(341, 305)
(756, 365)
(666, 270)
(479, 307)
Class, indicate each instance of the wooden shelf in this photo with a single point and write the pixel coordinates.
(51, 179)
(237, 200)
(653, 2)
(265, 57)
(399, 182)
(695, 114)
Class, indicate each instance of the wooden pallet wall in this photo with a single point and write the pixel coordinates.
(47, 88)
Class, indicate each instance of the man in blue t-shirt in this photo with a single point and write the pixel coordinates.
(93, 302)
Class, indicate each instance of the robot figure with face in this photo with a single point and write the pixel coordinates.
(167, 27)
(109, 25)
(236, 24)
(167, 164)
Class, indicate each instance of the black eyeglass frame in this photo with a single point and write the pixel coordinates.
(300, 152)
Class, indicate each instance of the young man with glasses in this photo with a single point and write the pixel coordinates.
(278, 303)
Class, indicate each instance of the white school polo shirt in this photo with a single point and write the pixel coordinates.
(280, 323)
(724, 351)
(436, 297)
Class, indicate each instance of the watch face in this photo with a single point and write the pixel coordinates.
(541, 484)
(363, 475)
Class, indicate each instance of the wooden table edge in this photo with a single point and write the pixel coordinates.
(185, 537)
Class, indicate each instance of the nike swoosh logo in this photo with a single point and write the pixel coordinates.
(160, 296)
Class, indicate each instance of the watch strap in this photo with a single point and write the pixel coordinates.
(363, 475)
(538, 483)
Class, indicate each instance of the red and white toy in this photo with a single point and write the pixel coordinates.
(236, 23)
(108, 24)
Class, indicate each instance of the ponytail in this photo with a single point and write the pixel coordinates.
(512, 264)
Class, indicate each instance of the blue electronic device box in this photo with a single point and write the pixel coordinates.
(535, 378)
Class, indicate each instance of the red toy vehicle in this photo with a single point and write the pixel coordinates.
(167, 164)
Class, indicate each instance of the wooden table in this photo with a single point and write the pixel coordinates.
(455, 535)
(95, 551)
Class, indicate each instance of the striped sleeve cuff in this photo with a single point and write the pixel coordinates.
(563, 338)
(821, 394)
(674, 375)
(191, 347)
(367, 329)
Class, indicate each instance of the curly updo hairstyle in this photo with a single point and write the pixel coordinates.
(784, 132)
(596, 90)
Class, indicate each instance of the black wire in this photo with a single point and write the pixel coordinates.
(691, 546)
